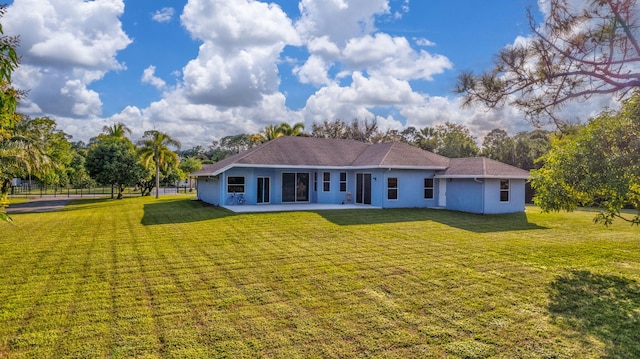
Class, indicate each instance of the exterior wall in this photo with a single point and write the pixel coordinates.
(208, 190)
(465, 195)
(492, 204)
(410, 189)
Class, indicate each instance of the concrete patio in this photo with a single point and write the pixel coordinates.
(295, 207)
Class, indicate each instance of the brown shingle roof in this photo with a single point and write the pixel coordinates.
(323, 152)
(481, 167)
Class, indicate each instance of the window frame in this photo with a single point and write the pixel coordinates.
(506, 189)
(343, 183)
(392, 189)
(326, 181)
(239, 185)
(429, 188)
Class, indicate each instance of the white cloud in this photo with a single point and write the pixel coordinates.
(323, 46)
(339, 20)
(234, 25)
(393, 56)
(237, 63)
(424, 42)
(149, 77)
(314, 71)
(65, 46)
(355, 100)
(163, 15)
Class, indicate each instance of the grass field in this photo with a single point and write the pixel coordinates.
(174, 278)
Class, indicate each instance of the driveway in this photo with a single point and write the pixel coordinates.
(39, 205)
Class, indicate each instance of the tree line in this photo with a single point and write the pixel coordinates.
(449, 139)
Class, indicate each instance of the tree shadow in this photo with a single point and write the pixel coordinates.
(181, 211)
(605, 306)
(465, 221)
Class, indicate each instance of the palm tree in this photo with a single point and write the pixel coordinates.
(287, 130)
(272, 132)
(154, 147)
(118, 130)
(22, 152)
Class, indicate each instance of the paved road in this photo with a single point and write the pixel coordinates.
(39, 205)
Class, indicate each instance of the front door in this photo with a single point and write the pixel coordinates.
(295, 187)
(263, 190)
(442, 197)
(363, 188)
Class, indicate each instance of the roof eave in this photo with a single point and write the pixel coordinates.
(484, 176)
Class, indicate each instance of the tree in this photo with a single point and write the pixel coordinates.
(455, 141)
(272, 132)
(427, 139)
(337, 129)
(592, 48)
(117, 130)
(596, 165)
(366, 132)
(22, 152)
(154, 147)
(9, 97)
(498, 146)
(529, 147)
(57, 148)
(113, 161)
(190, 165)
(287, 130)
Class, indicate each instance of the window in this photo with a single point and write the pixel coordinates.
(428, 188)
(343, 181)
(326, 181)
(504, 190)
(235, 184)
(392, 188)
(315, 181)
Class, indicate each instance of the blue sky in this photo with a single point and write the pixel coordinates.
(204, 69)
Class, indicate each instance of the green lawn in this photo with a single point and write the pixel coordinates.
(174, 278)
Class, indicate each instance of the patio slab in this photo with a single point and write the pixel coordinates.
(295, 207)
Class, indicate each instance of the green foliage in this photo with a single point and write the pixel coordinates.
(154, 147)
(272, 132)
(455, 141)
(521, 150)
(113, 161)
(9, 96)
(598, 165)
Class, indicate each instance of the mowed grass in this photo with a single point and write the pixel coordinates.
(174, 278)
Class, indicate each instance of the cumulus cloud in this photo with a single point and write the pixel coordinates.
(233, 83)
(339, 20)
(314, 71)
(65, 46)
(163, 15)
(242, 42)
(149, 77)
(393, 56)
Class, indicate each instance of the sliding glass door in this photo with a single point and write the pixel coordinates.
(295, 187)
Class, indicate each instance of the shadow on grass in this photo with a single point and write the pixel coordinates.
(465, 221)
(604, 306)
(181, 211)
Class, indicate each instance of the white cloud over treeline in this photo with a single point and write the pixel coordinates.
(234, 82)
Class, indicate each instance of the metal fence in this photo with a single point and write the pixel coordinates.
(41, 190)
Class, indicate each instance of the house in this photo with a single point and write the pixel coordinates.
(291, 170)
